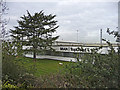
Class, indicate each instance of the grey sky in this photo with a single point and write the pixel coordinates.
(86, 17)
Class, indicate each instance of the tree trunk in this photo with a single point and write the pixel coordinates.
(34, 56)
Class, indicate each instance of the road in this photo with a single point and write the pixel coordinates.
(53, 57)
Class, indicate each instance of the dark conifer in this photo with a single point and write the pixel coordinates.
(36, 31)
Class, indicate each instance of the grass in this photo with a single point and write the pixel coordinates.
(42, 66)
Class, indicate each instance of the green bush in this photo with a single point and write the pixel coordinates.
(95, 70)
(8, 85)
(13, 74)
(11, 71)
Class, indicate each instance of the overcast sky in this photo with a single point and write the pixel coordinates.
(86, 17)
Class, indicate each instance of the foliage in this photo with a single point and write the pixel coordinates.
(11, 71)
(115, 33)
(7, 85)
(95, 70)
(56, 80)
(35, 31)
(3, 20)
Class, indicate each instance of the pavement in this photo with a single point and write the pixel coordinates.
(53, 57)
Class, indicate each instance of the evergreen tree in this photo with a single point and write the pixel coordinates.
(35, 31)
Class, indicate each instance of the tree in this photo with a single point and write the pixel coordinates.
(116, 34)
(3, 32)
(35, 31)
(3, 21)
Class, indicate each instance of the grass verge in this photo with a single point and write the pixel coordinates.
(42, 66)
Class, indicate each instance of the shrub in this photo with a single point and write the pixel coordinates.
(95, 70)
(8, 85)
(11, 71)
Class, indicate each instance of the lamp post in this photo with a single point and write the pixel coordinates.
(101, 37)
(77, 36)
